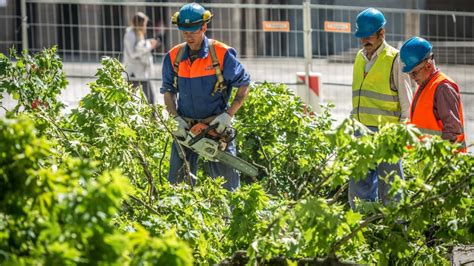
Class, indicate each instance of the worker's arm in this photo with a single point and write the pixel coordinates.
(170, 103)
(167, 87)
(446, 108)
(405, 87)
(239, 99)
(236, 77)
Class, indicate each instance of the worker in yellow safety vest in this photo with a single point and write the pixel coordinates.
(381, 94)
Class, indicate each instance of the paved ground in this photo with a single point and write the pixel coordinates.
(336, 79)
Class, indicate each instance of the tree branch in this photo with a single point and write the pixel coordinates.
(366, 222)
(457, 186)
(338, 194)
(279, 153)
(266, 156)
(161, 161)
(270, 225)
(324, 179)
(60, 131)
(187, 168)
(147, 172)
(158, 118)
(150, 208)
(433, 176)
(343, 240)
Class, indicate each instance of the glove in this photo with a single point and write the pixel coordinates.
(181, 128)
(223, 120)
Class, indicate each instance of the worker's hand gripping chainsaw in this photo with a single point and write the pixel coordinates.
(205, 141)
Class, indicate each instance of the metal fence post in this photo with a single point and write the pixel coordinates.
(308, 50)
(412, 24)
(24, 26)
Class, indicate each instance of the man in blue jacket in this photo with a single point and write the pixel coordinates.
(198, 77)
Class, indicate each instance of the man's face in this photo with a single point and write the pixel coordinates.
(194, 38)
(371, 43)
(420, 73)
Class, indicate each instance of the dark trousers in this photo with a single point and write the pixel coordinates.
(373, 186)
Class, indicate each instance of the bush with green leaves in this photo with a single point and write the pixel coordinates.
(287, 142)
(435, 210)
(114, 124)
(59, 211)
(34, 81)
(89, 186)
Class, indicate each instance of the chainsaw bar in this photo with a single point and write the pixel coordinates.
(236, 163)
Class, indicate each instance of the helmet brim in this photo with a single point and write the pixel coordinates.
(366, 34)
(359, 34)
(191, 29)
(407, 69)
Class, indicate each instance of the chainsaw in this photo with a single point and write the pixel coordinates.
(205, 141)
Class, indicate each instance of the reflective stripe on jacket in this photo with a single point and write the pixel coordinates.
(422, 114)
(372, 96)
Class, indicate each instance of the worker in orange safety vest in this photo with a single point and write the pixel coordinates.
(436, 108)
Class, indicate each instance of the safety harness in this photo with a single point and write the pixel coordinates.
(219, 86)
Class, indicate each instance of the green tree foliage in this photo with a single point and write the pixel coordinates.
(286, 142)
(34, 81)
(89, 186)
(435, 199)
(59, 212)
(114, 124)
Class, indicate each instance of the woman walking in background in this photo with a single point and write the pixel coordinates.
(137, 56)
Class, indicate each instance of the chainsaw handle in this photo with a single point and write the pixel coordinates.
(180, 138)
(202, 134)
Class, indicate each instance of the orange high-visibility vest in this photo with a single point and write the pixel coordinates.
(422, 114)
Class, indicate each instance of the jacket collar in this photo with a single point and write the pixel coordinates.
(430, 78)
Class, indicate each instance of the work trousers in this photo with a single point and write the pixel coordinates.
(373, 186)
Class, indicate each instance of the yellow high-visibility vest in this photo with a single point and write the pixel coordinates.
(374, 102)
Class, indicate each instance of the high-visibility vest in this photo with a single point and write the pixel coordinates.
(178, 52)
(374, 102)
(422, 114)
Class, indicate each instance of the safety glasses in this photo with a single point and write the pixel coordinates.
(416, 71)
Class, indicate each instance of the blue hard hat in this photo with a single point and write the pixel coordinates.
(413, 52)
(191, 17)
(369, 22)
